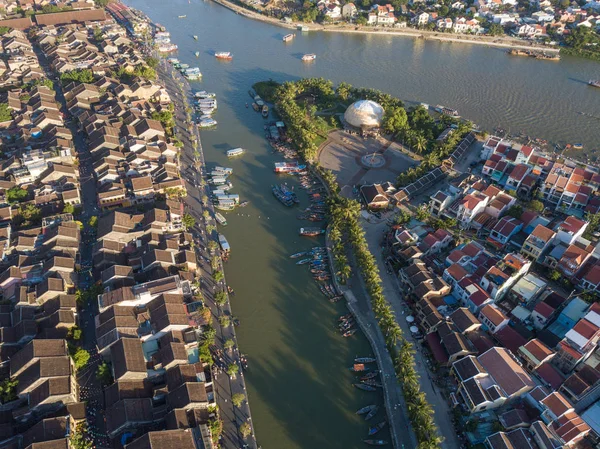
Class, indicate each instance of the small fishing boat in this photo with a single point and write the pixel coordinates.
(578, 146)
(372, 383)
(235, 152)
(309, 57)
(345, 317)
(364, 387)
(372, 413)
(244, 362)
(377, 427)
(303, 261)
(594, 83)
(224, 243)
(375, 442)
(358, 368)
(244, 203)
(182, 17)
(300, 254)
(311, 232)
(195, 37)
(365, 360)
(369, 376)
(366, 409)
(349, 333)
(225, 170)
(223, 55)
(288, 37)
(220, 219)
(203, 94)
(265, 111)
(197, 54)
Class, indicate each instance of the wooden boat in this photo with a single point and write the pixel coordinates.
(300, 254)
(366, 409)
(220, 219)
(594, 83)
(358, 368)
(244, 362)
(345, 317)
(288, 37)
(225, 170)
(375, 442)
(349, 333)
(372, 382)
(365, 360)
(309, 57)
(311, 232)
(364, 387)
(223, 55)
(244, 203)
(372, 413)
(369, 376)
(265, 111)
(578, 146)
(303, 261)
(377, 427)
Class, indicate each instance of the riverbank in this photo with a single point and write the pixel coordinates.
(488, 41)
(225, 386)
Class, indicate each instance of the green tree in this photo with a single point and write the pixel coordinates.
(104, 374)
(224, 321)
(68, 209)
(188, 221)
(74, 333)
(229, 344)
(220, 299)
(395, 120)
(536, 205)
(495, 29)
(16, 194)
(8, 390)
(515, 211)
(80, 358)
(218, 276)
(594, 224)
(5, 113)
(554, 275)
(232, 369)
(402, 217)
(77, 75)
(79, 437)
(209, 334)
(422, 213)
(4, 30)
(245, 430)
(152, 62)
(238, 399)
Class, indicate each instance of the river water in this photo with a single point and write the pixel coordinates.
(298, 384)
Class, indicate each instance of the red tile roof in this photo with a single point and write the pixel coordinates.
(519, 172)
(544, 309)
(456, 271)
(557, 404)
(572, 224)
(493, 314)
(585, 328)
(510, 338)
(550, 375)
(543, 233)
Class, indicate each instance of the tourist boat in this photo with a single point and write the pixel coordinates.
(184, 66)
(288, 167)
(192, 73)
(225, 204)
(235, 152)
(300, 254)
(207, 102)
(311, 232)
(244, 362)
(447, 111)
(167, 47)
(282, 196)
(375, 442)
(206, 112)
(265, 111)
(309, 57)
(364, 387)
(195, 37)
(224, 170)
(366, 409)
(197, 54)
(594, 83)
(288, 37)
(207, 123)
(220, 219)
(218, 180)
(218, 174)
(223, 55)
(365, 359)
(224, 243)
(202, 94)
(182, 17)
(303, 261)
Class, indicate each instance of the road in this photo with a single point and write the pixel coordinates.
(374, 234)
(224, 385)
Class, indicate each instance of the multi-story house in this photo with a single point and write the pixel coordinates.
(504, 230)
(537, 242)
(498, 280)
(569, 231)
(580, 341)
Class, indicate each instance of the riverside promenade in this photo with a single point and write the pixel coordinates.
(193, 172)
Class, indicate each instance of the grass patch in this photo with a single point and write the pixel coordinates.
(266, 90)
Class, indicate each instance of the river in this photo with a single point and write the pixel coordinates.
(298, 384)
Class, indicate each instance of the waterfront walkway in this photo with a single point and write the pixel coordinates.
(224, 385)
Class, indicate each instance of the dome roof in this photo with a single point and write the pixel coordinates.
(364, 113)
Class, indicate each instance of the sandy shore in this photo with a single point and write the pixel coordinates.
(501, 42)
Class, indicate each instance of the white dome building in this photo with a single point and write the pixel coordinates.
(364, 114)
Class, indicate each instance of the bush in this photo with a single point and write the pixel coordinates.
(16, 194)
(80, 358)
(74, 333)
(5, 113)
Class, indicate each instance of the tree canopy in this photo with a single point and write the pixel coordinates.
(5, 113)
(77, 75)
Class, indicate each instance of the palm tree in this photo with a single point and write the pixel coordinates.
(344, 273)
(420, 143)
